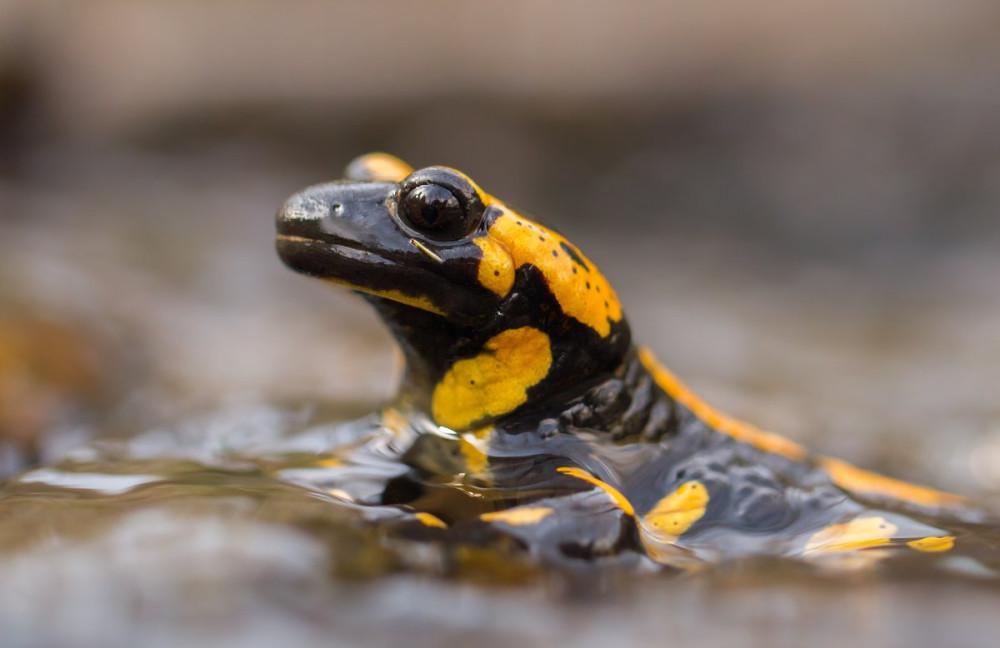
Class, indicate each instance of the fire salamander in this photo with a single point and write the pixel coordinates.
(526, 412)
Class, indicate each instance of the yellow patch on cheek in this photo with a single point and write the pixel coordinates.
(496, 268)
(675, 513)
(581, 290)
(494, 382)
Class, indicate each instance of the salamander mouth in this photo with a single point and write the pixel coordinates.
(290, 244)
(335, 258)
(348, 264)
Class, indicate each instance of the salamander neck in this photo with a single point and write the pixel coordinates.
(528, 355)
(626, 404)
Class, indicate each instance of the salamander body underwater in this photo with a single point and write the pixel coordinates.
(525, 410)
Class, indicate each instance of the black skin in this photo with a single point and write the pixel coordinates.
(598, 408)
(353, 233)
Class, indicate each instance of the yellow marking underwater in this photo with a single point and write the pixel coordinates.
(933, 544)
(859, 533)
(739, 430)
(494, 382)
(340, 493)
(613, 492)
(431, 520)
(518, 516)
(581, 290)
(861, 481)
(380, 167)
(394, 420)
(473, 447)
(675, 513)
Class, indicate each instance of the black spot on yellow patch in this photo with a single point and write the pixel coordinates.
(573, 254)
(576, 298)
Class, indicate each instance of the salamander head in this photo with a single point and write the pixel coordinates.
(492, 310)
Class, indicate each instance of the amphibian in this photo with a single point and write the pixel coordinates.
(525, 406)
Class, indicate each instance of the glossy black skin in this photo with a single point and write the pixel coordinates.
(353, 233)
(599, 409)
(354, 237)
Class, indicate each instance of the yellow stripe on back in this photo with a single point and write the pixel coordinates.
(868, 483)
(842, 473)
(739, 430)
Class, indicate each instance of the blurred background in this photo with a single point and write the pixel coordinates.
(797, 202)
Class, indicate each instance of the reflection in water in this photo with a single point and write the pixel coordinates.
(388, 497)
(103, 483)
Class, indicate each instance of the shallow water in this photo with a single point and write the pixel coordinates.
(236, 528)
(407, 499)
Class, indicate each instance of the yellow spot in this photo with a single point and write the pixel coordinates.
(675, 513)
(859, 533)
(496, 269)
(518, 516)
(378, 166)
(613, 492)
(473, 446)
(933, 544)
(420, 302)
(494, 382)
(330, 462)
(340, 493)
(428, 519)
(739, 430)
(394, 420)
(581, 290)
(868, 483)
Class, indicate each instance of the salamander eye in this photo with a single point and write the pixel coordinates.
(440, 203)
(433, 210)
